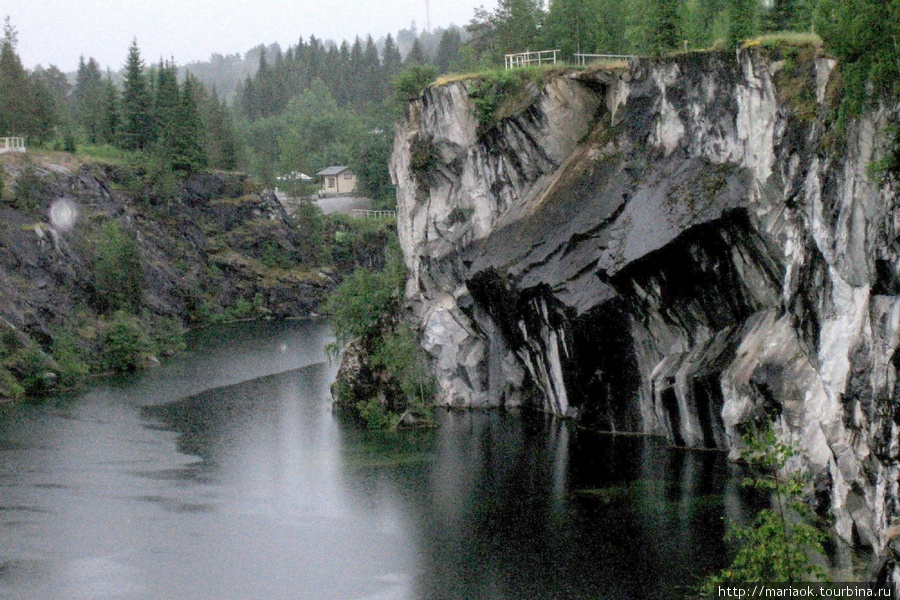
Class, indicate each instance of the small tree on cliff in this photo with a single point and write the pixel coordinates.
(776, 545)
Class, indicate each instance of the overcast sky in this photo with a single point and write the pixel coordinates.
(57, 32)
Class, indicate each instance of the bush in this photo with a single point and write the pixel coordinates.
(360, 305)
(32, 368)
(29, 189)
(776, 546)
(309, 223)
(71, 369)
(9, 387)
(125, 344)
(401, 356)
(168, 337)
(377, 416)
(411, 82)
(118, 272)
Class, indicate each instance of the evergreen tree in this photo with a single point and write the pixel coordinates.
(220, 140)
(26, 105)
(166, 104)
(137, 118)
(666, 29)
(447, 53)
(390, 57)
(744, 21)
(187, 148)
(111, 121)
(416, 55)
(518, 24)
(88, 97)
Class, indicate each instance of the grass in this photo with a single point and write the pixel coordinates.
(531, 73)
(780, 39)
(107, 153)
(606, 65)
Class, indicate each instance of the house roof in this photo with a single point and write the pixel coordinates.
(332, 171)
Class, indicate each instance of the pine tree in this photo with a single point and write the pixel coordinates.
(416, 55)
(390, 57)
(666, 29)
(137, 118)
(166, 104)
(448, 50)
(110, 125)
(187, 147)
(14, 88)
(744, 21)
(88, 97)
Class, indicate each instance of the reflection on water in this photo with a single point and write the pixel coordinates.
(225, 475)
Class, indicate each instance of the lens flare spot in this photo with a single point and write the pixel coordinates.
(63, 214)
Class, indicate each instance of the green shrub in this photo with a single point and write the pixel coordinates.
(492, 91)
(29, 189)
(309, 224)
(776, 545)
(32, 368)
(71, 369)
(401, 356)
(377, 416)
(125, 344)
(168, 337)
(118, 271)
(410, 83)
(361, 304)
(275, 256)
(10, 388)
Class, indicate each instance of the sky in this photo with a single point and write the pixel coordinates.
(57, 32)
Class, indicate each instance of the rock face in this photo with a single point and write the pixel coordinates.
(215, 242)
(680, 247)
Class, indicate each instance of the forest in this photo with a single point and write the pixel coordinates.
(320, 102)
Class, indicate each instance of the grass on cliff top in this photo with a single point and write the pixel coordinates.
(541, 72)
(782, 39)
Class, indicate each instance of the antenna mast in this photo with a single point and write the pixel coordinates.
(427, 16)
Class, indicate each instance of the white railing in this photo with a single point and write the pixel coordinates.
(361, 213)
(527, 59)
(12, 144)
(583, 59)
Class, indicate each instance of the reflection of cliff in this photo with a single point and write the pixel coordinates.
(530, 507)
(679, 248)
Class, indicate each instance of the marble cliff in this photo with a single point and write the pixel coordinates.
(679, 246)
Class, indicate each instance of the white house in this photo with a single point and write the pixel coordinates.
(337, 180)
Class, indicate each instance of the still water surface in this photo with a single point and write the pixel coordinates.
(224, 475)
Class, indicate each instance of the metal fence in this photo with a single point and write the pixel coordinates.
(583, 59)
(12, 144)
(361, 213)
(527, 59)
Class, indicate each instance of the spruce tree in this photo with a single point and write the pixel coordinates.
(14, 86)
(111, 117)
(448, 50)
(416, 55)
(166, 105)
(666, 29)
(744, 21)
(187, 149)
(137, 118)
(88, 97)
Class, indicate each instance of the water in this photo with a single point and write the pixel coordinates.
(224, 475)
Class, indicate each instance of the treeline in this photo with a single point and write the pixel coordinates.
(629, 26)
(180, 123)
